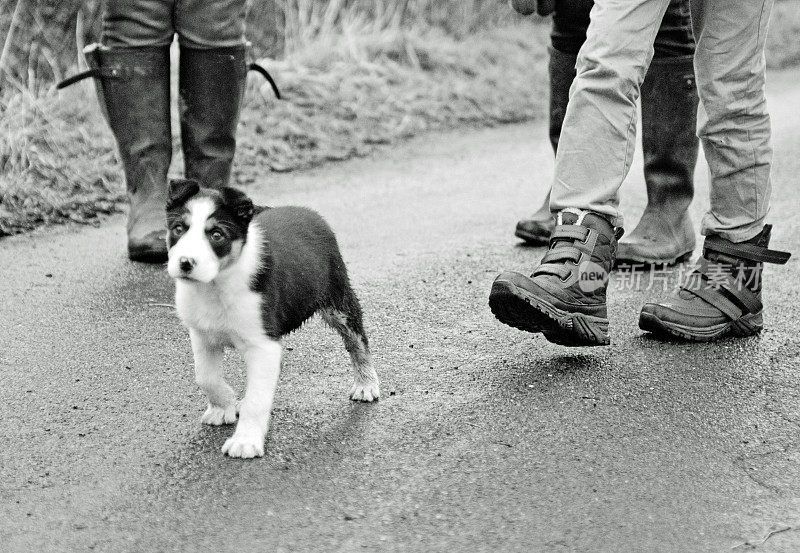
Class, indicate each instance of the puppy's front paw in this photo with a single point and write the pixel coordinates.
(216, 416)
(245, 446)
(365, 391)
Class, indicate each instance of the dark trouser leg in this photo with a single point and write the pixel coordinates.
(568, 35)
(536, 229)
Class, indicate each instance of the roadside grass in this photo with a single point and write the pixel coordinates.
(348, 93)
(345, 93)
(57, 162)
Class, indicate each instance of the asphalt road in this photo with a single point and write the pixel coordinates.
(485, 439)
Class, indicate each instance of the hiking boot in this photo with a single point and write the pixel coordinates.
(665, 234)
(721, 297)
(535, 230)
(565, 297)
(133, 89)
(212, 85)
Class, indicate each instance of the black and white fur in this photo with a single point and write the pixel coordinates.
(244, 277)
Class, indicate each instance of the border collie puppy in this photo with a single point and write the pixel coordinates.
(244, 277)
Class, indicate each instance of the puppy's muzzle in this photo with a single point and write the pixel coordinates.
(186, 264)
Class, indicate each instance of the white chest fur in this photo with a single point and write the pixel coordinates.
(233, 312)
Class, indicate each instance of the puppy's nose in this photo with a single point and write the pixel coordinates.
(186, 264)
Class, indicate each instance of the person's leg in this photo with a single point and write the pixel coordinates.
(213, 71)
(599, 133)
(133, 90)
(665, 233)
(733, 122)
(137, 23)
(722, 296)
(536, 229)
(565, 298)
(570, 21)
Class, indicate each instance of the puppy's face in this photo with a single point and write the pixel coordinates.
(207, 229)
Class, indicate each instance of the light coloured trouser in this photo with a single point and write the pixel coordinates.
(599, 132)
(199, 24)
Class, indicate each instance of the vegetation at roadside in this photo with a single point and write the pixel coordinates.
(351, 87)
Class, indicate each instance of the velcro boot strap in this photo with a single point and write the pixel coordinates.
(569, 232)
(722, 290)
(561, 271)
(565, 253)
(743, 250)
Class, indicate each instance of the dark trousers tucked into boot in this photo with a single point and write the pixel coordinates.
(212, 84)
(665, 233)
(133, 89)
(536, 230)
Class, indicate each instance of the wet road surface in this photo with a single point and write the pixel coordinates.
(485, 439)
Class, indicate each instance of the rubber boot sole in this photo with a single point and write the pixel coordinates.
(151, 249)
(532, 239)
(747, 325)
(145, 254)
(620, 262)
(515, 307)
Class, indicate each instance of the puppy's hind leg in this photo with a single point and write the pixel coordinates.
(208, 375)
(348, 323)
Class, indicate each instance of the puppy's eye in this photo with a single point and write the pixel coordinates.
(217, 235)
(178, 229)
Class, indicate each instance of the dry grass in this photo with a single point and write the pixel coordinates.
(344, 94)
(352, 91)
(305, 21)
(56, 162)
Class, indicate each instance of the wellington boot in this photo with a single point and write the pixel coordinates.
(212, 84)
(665, 234)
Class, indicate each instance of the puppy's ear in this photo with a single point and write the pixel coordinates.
(180, 190)
(239, 204)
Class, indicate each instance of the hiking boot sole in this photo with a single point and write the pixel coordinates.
(747, 325)
(517, 308)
